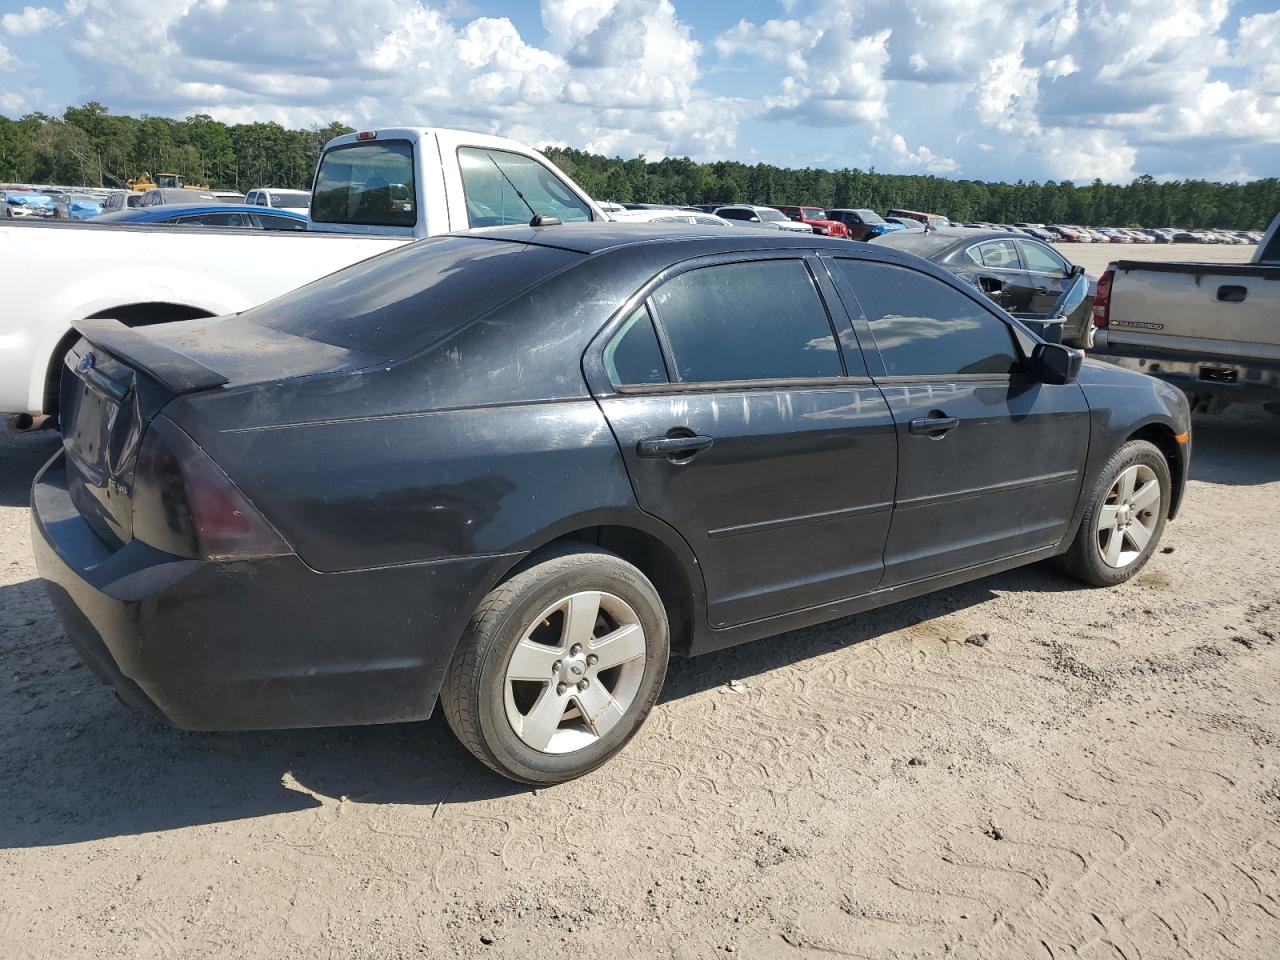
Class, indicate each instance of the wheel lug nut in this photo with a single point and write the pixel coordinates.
(592, 660)
(560, 689)
(582, 684)
(555, 667)
(577, 649)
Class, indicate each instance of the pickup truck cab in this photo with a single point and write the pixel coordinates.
(374, 190)
(1209, 328)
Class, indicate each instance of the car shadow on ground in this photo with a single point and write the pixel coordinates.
(1239, 447)
(77, 765)
(21, 457)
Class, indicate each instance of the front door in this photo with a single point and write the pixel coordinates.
(1048, 274)
(989, 461)
(742, 427)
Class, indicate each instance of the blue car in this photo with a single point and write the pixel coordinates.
(210, 215)
(83, 208)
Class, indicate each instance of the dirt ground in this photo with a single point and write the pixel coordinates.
(1094, 257)
(1017, 768)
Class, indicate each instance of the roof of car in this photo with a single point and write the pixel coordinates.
(592, 238)
(168, 211)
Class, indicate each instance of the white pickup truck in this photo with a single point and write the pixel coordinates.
(1212, 329)
(373, 191)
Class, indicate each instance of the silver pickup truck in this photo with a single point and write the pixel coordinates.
(1212, 329)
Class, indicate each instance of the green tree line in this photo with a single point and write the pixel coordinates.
(89, 146)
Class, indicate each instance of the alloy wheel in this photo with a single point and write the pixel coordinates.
(575, 672)
(1129, 516)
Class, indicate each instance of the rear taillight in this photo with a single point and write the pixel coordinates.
(1102, 298)
(185, 505)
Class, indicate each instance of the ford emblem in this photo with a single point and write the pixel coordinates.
(87, 361)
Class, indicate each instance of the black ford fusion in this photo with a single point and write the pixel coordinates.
(513, 472)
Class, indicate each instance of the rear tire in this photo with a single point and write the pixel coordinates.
(559, 666)
(1124, 518)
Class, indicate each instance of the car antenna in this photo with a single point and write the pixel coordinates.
(539, 219)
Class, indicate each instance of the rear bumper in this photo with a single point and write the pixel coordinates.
(256, 644)
(1236, 382)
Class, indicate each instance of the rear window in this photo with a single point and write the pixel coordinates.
(290, 198)
(398, 303)
(369, 184)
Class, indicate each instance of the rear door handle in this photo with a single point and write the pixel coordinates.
(935, 427)
(1232, 293)
(674, 447)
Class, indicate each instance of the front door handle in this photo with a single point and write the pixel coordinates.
(935, 427)
(1232, 293)
(674, 447)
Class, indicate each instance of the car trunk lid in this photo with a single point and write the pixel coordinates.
(118, 378)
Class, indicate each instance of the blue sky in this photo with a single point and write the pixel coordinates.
(1035, 89)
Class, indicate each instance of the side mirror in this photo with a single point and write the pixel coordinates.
(1055, 364)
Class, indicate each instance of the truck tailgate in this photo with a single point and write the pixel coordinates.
(1219, 308)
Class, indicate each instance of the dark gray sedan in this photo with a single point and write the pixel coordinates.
(512, 472)
(1024, 275)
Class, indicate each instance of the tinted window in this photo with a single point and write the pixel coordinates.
(269, 221)
(213, 220)
(367, 183)
(925, 328)
(730, 213)
(1000, 255)
(394, 304)
(633, 355)
(747, 321)
(922, 244)
(1042, 259)
(494, 182)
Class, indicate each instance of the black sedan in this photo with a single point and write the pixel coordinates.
(513, 472)
(1024, 275)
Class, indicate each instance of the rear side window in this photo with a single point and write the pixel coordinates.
(747, 321)
(506, 188)
(1000, 255)
(212, 220)
(397, 303)
(924, 328)
(269, 221)
(633, 355)
(369, 184)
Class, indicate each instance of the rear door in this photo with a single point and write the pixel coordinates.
(1000, 274)
(747, 428)
(989, 461)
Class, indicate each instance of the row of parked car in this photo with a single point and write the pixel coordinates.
(1070, 233)
(288, 208)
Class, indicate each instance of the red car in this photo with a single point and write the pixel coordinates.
(816, 217)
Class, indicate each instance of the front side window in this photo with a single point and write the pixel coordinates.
(633, 355)
(747, 321)
(212, 220)
(270, 221)
(924, 328)
(737, 213)
(506, 188)
(368, 184)
(1043, 260)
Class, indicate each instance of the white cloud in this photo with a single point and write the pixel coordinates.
(30, 20)
(623, 74)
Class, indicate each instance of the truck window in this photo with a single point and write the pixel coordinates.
(495, 181)
(368, 184)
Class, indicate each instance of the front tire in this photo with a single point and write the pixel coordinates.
(1124, 519)
(559, 666)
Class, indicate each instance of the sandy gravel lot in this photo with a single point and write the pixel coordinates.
(1015, 768)
(1094, 257)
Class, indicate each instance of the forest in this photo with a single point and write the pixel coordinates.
(89, 146)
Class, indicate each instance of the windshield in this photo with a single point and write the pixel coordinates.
(770, 214)
(869, 216)
(918, 242)
(504, 188)
(290, 198)
(813, 213)
(395, 304)
(368, 184)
